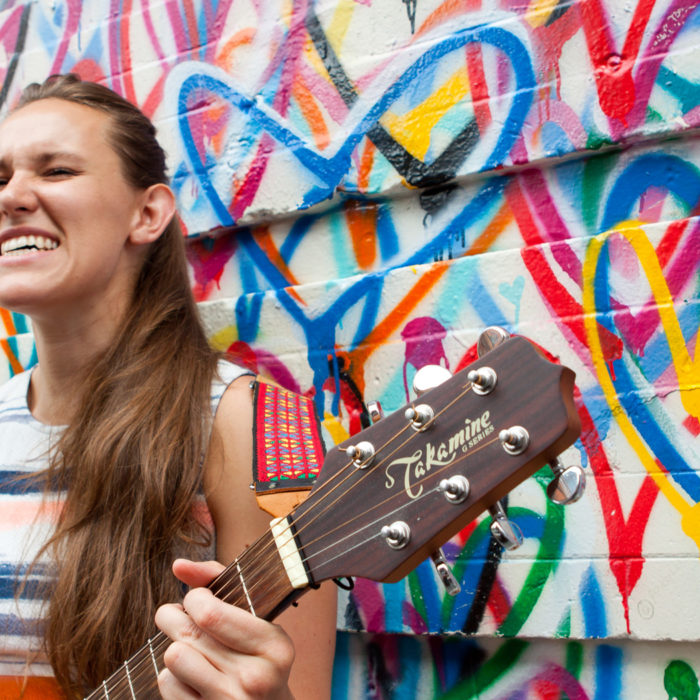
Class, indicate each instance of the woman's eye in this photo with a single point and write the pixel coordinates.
(59, 172)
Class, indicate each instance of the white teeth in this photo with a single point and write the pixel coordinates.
(26, 244)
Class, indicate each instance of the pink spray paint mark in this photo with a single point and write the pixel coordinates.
(423, 337)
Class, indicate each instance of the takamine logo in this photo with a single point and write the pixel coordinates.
(432, 456)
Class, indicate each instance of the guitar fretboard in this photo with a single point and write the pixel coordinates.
(257, 581)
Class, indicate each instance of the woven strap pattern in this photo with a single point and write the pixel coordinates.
(288, 449)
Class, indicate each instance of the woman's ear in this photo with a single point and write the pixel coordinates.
(156, 210)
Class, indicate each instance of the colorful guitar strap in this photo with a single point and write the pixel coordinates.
(288, 449)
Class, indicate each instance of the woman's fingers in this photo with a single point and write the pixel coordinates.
(220, 651)
(195, 574)
(172, 689)
(237, 629)
(189, 674)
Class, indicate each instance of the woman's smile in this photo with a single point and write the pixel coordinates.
(66, 212)
(24, 240)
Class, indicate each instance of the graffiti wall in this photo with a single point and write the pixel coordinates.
(365, 186)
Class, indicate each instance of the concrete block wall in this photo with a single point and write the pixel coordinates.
(365, 186)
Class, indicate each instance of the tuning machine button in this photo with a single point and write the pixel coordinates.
(421, 416)
(483, 380)
(428, 377)
(456, 488)
(504, 531)
(361, 454)
(490, 338)
(568, 483)
(448, 579)
(374, 409)
(515, 440)
(397, 535)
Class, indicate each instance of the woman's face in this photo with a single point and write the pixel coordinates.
(66, 213)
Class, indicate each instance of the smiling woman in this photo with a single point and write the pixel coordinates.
(60, 180)
(129, 444)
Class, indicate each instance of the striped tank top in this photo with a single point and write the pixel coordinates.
(26, 521)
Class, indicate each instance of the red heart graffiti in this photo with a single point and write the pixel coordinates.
(622, 95)
(624, 535)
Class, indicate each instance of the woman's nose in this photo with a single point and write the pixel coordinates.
(17, 195)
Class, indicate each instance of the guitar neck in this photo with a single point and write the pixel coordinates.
(388, 498)
(257, 581)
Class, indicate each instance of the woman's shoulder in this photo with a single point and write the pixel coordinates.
(226, 373)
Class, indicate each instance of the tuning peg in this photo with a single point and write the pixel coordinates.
(397, 535)
(421, 416)
(448, 579)
(568, 483)
(504, 531)
(374, 409)
(361, 454)
(515, 440)
(490, 338)
(483, 380)
(456, 488)
(428, 377)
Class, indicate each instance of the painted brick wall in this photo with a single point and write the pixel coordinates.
(366, 185)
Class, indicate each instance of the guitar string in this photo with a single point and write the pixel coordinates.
(161, 641)
(230, 586)
(236, 590)
(379, 505)
(301, 523)
(139, 666)
(141, 663)
(261, 561)
(391, 498)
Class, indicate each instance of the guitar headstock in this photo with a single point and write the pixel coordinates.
(390, 496)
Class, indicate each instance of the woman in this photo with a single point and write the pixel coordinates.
(119, 418)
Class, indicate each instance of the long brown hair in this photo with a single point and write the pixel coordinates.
(130, 461)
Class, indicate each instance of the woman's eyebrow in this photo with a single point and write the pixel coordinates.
(48, 156)
(45, 157)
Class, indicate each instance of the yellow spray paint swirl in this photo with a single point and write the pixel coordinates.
(687, 368)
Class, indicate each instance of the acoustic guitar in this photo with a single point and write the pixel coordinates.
(390, 496)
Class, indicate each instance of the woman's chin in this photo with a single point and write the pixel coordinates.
(24, 299)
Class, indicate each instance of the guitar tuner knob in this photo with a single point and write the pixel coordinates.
(361, 454)
(483, 380)
(490, 338)
(397, 535)
(504, 531)
(568, 483)
(448, 579)
(428, 377)
(421, 416)
(374, 409)
(515, 440)
(456, 488)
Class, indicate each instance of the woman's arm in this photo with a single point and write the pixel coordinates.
(226, 646)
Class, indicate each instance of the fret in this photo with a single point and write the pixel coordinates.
(266, 590)
(245, 588)
(128, 678)
(153, 656)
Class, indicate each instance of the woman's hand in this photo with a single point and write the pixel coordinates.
(220, 651)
